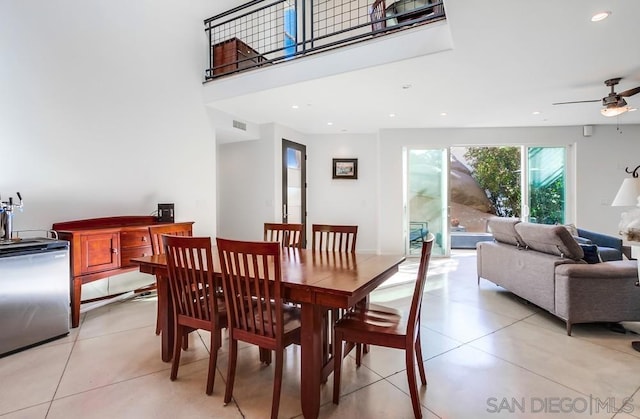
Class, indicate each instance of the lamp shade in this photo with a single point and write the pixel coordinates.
(614, 111)
(628, 193)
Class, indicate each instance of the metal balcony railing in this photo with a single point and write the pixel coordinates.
(262, 32)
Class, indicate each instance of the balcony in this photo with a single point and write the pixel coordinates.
(261, 33)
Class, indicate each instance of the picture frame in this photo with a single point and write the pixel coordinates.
(345, 168)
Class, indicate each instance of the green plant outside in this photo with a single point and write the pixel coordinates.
(497, 171)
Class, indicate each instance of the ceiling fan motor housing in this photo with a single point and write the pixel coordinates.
(613, 100)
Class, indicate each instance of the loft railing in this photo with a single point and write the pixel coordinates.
(263, 32)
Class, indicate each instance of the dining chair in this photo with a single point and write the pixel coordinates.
(197, 299)
(342, 239)
(336, 238)
(288, 235)
(157, 248)
(251, 279)
(384, 326)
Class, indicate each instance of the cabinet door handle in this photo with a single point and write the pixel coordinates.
(144, 238)
(114, 250)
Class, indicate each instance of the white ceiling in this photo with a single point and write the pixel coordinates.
(510, 58)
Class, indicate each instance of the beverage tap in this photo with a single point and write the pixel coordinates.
(6, 216)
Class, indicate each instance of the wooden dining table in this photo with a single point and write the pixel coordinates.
(317, 280)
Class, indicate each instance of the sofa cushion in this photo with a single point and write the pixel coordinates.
(551, 239)
(503, 230)
(582, 240)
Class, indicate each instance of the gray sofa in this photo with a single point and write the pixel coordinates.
(543, 264)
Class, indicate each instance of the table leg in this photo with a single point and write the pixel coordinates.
(166, 319)
(311, 360)
(76, 292)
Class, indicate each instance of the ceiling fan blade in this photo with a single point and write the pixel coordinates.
(630, 92)
(577, 101)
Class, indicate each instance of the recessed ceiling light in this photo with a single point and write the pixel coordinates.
(600, 16)
(294, 106)
(329, 123)
(392, 115)
(536, 112)
(443, 114)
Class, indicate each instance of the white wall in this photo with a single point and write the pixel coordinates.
(344, 201)
(102, 111)
(250, 182)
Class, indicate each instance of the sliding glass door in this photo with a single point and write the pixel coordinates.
(426, 199)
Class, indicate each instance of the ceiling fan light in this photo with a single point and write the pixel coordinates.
(614, 110)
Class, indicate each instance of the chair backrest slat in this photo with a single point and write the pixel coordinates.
(288, 235)
(251, 277)
(334, 238)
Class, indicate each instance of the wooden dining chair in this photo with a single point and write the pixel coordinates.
(384, 326)
(197, 298)
(334, 238)
(157, 248)
(288, 235)
(251, 278)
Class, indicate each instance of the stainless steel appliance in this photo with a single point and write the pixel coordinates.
(6, 217)
(34, 292)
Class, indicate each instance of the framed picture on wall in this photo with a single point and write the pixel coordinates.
(345, 168)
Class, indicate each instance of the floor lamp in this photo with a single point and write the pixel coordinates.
(628, 196)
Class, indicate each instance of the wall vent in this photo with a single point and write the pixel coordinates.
(239, 125)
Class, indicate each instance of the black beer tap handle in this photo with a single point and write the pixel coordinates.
(19, 196)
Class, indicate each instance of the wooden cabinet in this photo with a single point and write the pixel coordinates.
(103, 247)
(233, 55)
(98, 252)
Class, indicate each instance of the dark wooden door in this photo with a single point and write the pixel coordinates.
(294, 185)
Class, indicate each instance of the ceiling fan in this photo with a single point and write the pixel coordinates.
(614, 103)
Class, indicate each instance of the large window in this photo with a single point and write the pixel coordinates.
(452, 192)
(546, 184)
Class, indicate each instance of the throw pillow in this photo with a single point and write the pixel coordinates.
(591, 253)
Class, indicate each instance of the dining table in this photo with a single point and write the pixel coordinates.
(316, 280)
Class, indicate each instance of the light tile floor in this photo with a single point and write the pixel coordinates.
(487, 354)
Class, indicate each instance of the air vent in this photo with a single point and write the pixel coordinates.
(239, 125)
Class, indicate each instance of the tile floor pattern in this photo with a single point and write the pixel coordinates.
(488, 354)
